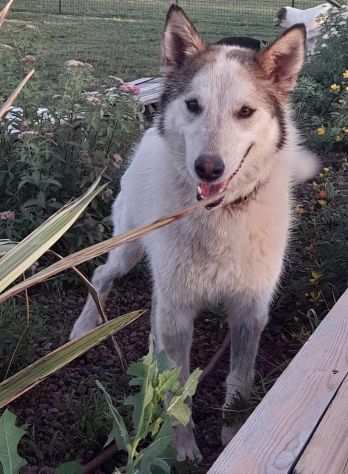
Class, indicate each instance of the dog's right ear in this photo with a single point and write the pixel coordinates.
(180, 39)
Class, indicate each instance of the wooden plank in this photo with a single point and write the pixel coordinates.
(150, 89)
(276, 433)
(141, 80)
(327, 451)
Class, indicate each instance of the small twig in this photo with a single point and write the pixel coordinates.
(218, 354)
(27, 306)
(106, 454)
(105, 246)
(100, 309)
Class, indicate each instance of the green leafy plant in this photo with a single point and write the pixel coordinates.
(149, 443)
(10, 436)
(322, 95)
(47, 154)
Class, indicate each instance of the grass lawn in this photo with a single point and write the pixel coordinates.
(120, 38)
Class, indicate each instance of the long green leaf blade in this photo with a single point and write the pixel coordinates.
(29, 250)
(119, 430)
(98, 249)
(6, 245)
(27, 378)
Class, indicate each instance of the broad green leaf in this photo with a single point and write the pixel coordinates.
(168, 381)
(156, 425)
(10, 435)
(154, 453)
(29, 250)
(137, 371)
(25, 379)
(190, 386)
(119, 430)
(142, 409)
(72, 467)
(179, 410)
(177, 407)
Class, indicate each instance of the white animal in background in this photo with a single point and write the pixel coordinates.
(225, 133)
(312, 18)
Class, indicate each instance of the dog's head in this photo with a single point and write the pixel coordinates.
(223, 107)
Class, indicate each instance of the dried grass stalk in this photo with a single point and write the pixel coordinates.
(4, 12)
(9, 102)
(101, 248)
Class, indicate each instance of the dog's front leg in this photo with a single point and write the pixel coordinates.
(247, 317)
(173, 328)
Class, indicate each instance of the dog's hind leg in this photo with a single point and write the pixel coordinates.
(247, 317)
(119, 262)
(173, 329)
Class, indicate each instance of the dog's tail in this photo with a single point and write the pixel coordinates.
(305, 165)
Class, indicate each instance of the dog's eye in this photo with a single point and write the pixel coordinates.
(193, 106)
(245, 112)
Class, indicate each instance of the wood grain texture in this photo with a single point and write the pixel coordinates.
(327, 451)
(150, 89)
(275, 434)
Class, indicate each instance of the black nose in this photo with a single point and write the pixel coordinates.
(209, 167)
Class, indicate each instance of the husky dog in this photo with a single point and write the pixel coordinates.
(224, 131)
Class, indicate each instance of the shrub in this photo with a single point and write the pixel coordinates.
(50, 155)
(322, 95)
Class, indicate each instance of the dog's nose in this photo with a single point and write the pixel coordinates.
(209, 167)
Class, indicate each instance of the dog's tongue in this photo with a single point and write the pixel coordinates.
(207, 190)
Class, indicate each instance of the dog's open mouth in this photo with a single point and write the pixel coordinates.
(209, 190)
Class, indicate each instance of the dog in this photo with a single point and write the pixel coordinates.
(224, 131)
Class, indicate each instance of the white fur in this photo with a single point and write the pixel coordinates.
(229, 255)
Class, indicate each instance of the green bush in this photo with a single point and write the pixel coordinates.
(57, 153)
(322, 95)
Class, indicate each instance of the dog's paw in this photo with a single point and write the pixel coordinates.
(228, 432)
(81, 328)
(186, 446)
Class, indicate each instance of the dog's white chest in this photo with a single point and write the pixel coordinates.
(196, 262)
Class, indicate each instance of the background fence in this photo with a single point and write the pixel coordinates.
(121, 37)
(122, 7)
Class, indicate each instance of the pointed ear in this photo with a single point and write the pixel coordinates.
(180, 39)
(282, 61)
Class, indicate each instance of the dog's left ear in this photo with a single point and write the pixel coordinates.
(282, 61)
(180, 39)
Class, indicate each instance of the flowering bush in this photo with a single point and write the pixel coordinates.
(322, 95)
(49, 155)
